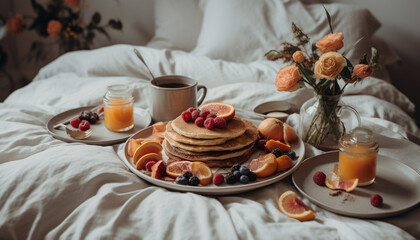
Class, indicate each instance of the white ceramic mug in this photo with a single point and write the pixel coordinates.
(172, 94)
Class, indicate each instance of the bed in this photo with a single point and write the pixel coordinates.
(58, 190)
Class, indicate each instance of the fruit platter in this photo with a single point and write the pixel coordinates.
(212, 151)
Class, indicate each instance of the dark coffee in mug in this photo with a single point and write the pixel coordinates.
(173, 85)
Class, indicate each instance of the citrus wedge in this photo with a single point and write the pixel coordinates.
(145, 148)
(141, 163)
(284, 162)
(133, 144)
(335, 182)
(293, 207)
(158, 132)
(224, 110)
(263, 166)
(202, 171)
(289, 134)
(273, 144)
(177, 168)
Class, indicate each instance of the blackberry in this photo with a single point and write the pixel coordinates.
(230, 179)
(292, 154)
(181, 180)
(235, 168)
(187, 175)
(244, 170)
(194, 181)
(237, 175)
(252, 176)
(277, 152)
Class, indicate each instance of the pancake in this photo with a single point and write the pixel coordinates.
(227, 162)
(170, 133)
(203, 156)
(250, 136)
(234, 128)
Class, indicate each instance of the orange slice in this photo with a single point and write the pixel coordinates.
(202, 171)
(224, 110)
(284, 162)
(263, 166)
(273, 144)
(145, 148)
(133, 144)
(177, 168)
(158, 132)
(335, 182)
(289, 134)
(293, 207)
(141, 163)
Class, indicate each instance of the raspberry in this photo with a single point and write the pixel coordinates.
(186, 116)
(149, 165)
(191, 109)
(218, 179)
(211, 115)
(219, 122)
(75, 122)
(261, 144)
(84, 125)
(204, 113)
(199, 122)
(319, 178)
(376, 200)
(209, 123)
(195, 114)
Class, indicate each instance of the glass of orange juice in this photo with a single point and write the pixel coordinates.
(118, 108)
(357, 156)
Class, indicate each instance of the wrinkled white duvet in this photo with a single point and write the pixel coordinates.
(52, 189)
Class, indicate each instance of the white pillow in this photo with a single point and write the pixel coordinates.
(244, 30)
(177, 24)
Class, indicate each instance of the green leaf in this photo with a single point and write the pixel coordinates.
(345, 73)
(352, 46)
(363, 59)
(329, 19)
(101, 30)
(96, 18)
(115, 24)
(374, 59)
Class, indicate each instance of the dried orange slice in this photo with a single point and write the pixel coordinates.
(284, 162)
(141, 163)
(133, 144)
(177, 168)
(289, 134)
(273, 144)
(335, 182)
(202, 171)
(263, 166)
(224, 110)
(145, 148)
(293, 207)
(158, 132)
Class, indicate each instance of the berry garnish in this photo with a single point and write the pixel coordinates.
(84, 125)
(211, 115)
(376, 200)
(181, 180)
(209, 123)
(194, 181)
(149, 165)
(186, 116)
(244, 170)
(75, 122)
(235, 168)
(261, 143)
(199, 122)
(277, 152)
(220, 122)
(292, 154)
(319, 178)
(187, 175)
(195, 114)
(244, 179)
(218, 179)
(191, 109)
(237, 175)
(252, 176)
(230, 179)
(204, 113)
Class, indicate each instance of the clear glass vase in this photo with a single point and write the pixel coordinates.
(324, 119)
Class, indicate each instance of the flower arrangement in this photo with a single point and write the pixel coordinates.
(321, 67)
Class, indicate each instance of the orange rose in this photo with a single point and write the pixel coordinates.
(54, 28)
(362, 70)
(330, 43)
(287, 79)
(329, 65)
(298, 57)
(72, 2)
(15, 24)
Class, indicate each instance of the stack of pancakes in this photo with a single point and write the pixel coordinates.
(217, 147)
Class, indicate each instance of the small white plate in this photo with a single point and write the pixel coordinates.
(101, 135)
(276, 109)
(211, 189)
(397, 183)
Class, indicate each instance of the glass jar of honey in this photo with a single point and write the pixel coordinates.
(357, 156)
(118, 108)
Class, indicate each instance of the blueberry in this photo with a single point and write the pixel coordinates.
(230, 179)
(292, 154)
(187, 175)
(194, 181)
(244, 170)
(244, 179)
(277, 152)
(235, 168)
(181, 180)
(252, 176)
(237, 175)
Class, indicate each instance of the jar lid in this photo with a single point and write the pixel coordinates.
(118, 91)
(359, 137)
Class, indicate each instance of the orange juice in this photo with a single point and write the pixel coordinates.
(118, 115)
(357, 156)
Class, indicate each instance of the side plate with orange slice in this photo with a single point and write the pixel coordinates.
(395, 182)
(211, 189)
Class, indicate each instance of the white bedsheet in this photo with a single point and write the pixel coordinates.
(52, 189)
